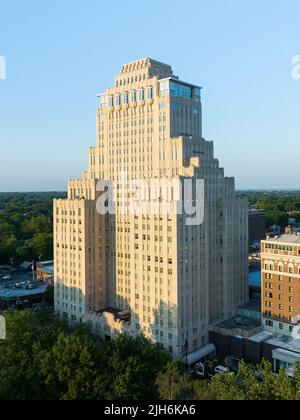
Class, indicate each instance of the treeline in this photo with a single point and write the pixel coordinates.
(278, 205)
(44, 359)
(26, 226)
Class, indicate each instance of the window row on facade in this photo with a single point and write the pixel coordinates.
(110, 101)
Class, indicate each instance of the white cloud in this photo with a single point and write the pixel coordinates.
(2, 67)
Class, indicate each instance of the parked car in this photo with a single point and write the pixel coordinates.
(222, 369)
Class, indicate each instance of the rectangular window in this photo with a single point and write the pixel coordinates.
(111, 101)
(142, 95)
(197, 94)
(150, 92)
(164, 88)
(181, 90)
(175, 106)
(133, 96)
(102, 101)
(125, 98)
(118, 99)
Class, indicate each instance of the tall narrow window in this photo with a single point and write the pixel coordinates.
(142, 94)
(133, 96)
(150, 92)
(111, 101)
(102, 101)
(125, 98)
(197, 94)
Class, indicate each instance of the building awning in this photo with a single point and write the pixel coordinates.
(198, 355)
(286, 356)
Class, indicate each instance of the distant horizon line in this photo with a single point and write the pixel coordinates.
(237, 190)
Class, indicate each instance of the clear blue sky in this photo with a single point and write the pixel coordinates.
(60, 54)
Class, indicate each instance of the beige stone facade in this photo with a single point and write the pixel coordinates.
(173, 279)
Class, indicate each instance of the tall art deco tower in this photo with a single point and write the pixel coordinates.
(151, 273)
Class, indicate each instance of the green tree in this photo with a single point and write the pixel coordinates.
(223, 387)
(27, 335)
(41, 244)
(26, 226)
(69, 368)
(251, 383)
(173, 384)
(37, 224)
(132, 366)
(49, 296)
(44, 359)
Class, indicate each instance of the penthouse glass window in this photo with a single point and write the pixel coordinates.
(102, 101)
(183, 91)
(172, 88)
(197, 94)
(164, 88)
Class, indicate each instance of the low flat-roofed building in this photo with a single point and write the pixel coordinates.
(238, 326)
(251, 310)
(29, 292)
(286, 352)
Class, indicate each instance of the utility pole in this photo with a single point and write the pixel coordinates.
(186, 350)
(34, 270)
(11, 267)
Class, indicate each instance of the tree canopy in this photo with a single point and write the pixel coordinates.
(26, 225)
(45, 359)
(279, 206)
